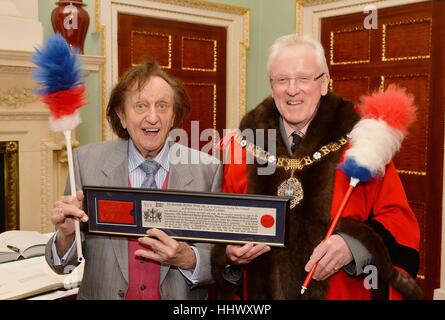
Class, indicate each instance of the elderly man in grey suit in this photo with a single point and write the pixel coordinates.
(144, 106)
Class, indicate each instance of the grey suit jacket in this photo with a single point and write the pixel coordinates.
(106, 258)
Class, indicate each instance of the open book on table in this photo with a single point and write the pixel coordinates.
(18, 244)
(30, 277)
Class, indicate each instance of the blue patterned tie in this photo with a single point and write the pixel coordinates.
(295, 142)
(150, 167)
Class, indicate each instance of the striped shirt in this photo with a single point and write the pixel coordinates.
(137, 175)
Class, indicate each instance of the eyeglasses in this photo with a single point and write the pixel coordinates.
(284, 81)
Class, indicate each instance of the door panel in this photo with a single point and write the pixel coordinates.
(194, 53)
(406, 49)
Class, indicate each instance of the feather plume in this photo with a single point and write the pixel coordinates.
(394, 106)
(378, 136)
(59, 73)
(59, 68)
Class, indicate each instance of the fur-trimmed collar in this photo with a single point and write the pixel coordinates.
(335, 118)
(307, 221)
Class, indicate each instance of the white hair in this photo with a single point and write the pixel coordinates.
(297, 40)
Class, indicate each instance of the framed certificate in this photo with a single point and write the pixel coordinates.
(187, 215)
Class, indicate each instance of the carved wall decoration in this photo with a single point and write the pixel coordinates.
(17, 97)
(15, 70)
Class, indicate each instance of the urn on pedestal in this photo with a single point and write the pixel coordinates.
(71, 20)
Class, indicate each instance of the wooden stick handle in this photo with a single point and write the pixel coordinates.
(69, 150)
(352, 184)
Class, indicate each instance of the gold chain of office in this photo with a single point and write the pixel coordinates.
(290, 163)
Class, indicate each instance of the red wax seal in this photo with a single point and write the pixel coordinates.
(267, 221)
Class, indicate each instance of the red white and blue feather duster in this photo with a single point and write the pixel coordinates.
(375, 139)
(59, 73)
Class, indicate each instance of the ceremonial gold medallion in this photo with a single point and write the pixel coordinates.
(291, 188)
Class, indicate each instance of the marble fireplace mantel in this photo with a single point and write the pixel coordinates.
(42, 163)
(42, 158)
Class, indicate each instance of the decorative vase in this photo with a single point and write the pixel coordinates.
(71, 20)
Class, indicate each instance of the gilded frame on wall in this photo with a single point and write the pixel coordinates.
(299, 11)
(10, 152)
